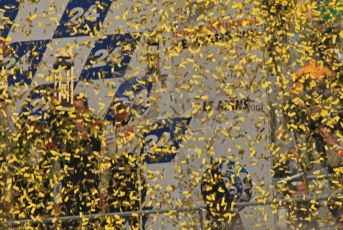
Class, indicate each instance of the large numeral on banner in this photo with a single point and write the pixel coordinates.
(162, 143)
(21, 64)
(140, 88)
(82, 18)
(92, 14)
(78, 14)
(153, 141)
(110, 56)
(36, 103)
(150, 141)
(103, 57)
(23, 61)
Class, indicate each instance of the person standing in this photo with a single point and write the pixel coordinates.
(6, 129)
(79, 190)
(123, 176)
(334, 150)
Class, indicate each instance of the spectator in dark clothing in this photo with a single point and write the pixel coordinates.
(80, 166)
(124, 175)
(217, 198)
(31, 174)
(5, 140)
(123, 193)
(334, 150)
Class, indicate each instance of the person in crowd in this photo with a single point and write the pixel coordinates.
(37, 178)
(219, 190)
(79, 186)
(60, 128)
(334, 151)
(316, 96)
(334, 146)
(30, 173)
(124, 177)
(6, 131)
(301, 213)
(219, 208)
(335, 205)
(313, 96)
(24, 178)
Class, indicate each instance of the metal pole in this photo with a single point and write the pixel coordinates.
(161, 211)
(201, 220)
(140, 188)
(300, 175)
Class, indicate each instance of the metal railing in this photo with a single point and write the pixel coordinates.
(16, 223)
(302, 175)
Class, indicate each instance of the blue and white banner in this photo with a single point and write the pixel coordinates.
(162, 143)
(8, 12)
(36, 104)
(82, 18)
(23, 60)
(110, 56)
(137, 92)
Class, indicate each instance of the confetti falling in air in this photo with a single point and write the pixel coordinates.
(202, 114)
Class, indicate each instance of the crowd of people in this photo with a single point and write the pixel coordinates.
(71, 167)
(68, 169)
(306, 49)
(314, 120)
(311, 126)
